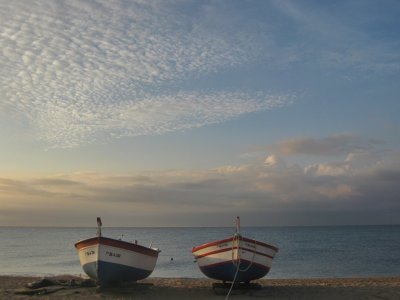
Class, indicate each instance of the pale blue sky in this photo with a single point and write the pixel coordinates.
(188, 113)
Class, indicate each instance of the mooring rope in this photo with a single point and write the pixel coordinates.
(236, 239)
(252, 259)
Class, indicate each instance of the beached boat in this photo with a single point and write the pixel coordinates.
(110, 261)
(235, 259)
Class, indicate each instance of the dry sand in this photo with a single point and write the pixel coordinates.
(192, 289)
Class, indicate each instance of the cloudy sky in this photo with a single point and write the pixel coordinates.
(188, 113)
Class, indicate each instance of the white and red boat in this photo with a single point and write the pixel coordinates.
(110, 261)
(235, 259)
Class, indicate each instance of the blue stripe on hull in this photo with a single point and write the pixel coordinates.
(110, 273)
(226, 271)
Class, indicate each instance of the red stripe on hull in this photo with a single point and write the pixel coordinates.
(229, 249)
(116, 243)
(211, 244)
(197, 248)
(259, 243)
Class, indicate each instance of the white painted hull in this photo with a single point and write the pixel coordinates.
(110, 261)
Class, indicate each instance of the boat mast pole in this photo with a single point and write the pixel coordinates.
(99, 226)
(237, 225)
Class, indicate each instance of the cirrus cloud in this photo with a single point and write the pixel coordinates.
(83, 71)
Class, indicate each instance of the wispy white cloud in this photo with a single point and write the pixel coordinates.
(327, 169)
(70, 123)
(85, 71)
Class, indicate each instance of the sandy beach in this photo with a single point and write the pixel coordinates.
(12, 287)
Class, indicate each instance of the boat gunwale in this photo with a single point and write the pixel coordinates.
(118, 244)
(242, 238)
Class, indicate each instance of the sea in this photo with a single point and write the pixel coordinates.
(304, 252)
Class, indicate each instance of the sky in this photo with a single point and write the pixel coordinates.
(189, 113)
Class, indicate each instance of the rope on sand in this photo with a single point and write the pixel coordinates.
(236, 239)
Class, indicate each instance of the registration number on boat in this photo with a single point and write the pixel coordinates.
(110, 253)
(89, 253)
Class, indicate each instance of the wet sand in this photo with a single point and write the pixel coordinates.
(187, 288)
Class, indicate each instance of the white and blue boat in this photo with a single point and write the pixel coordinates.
(110, 261)
(235, 259)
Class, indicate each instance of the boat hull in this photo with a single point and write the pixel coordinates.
(238, 256)
(112, 261)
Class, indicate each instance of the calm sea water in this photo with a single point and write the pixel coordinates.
(304, 252)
